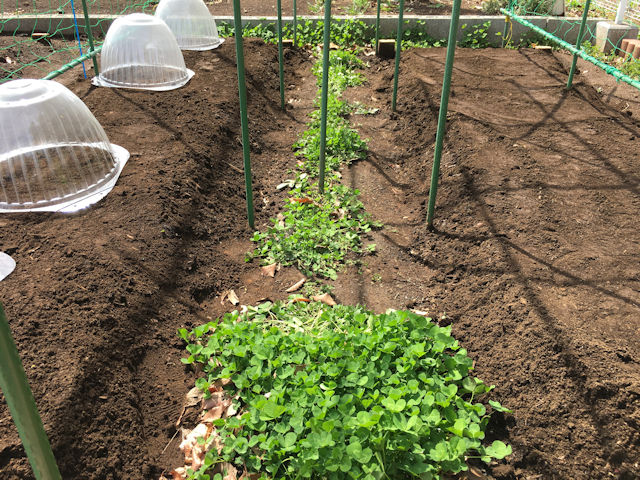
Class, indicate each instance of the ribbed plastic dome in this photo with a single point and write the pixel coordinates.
(140, 52)
(191, 23)
(54, 155)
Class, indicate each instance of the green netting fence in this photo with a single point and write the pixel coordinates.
(39, 36)
(559, 30)
(607, 55)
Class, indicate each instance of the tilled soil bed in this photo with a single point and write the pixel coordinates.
(534, 259)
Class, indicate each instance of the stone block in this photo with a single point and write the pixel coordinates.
(610, 35)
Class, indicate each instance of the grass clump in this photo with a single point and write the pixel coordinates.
(339, 392)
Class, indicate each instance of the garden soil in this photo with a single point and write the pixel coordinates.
(534, 259)
(269, 8)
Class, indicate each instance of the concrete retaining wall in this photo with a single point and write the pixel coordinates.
(437, 26)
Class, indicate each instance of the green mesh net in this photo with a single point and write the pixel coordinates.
(40, 36)
(565, 31)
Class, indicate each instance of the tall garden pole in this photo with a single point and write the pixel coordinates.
(244, 122)
(398, 52)
(444, 106)
(325, 91)
(295, 23)
(377, 26)
(87, 28)
(280, 54)
(578, 43)
(14, 385)
(75, 24)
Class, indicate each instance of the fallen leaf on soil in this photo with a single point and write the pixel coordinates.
(300, 299)
(194, 452)
(230, 472)
(269, 270)
(324, 298)
(177, 474)
(194, 396)
(301, 200)
(231, 296)
(296, 285)
(216, 399)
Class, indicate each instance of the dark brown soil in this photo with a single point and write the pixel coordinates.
(535, 257)
(269, 8)
(97, 297)
(345, 7)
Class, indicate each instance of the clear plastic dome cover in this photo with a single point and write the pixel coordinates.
(7, 265)
(191, 23)
(54, 155)
(140, 52)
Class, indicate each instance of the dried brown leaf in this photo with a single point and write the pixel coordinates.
(296, 285)
(269, 270)
(301, 200)
(233, 298)
(178, 474)
(194, 452)
(300, 299)
(231, 473)
(193, 397)
(324, 298)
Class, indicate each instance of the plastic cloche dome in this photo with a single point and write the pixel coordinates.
(191, 23)
(54, 155)
(7, 265)
(140, 52)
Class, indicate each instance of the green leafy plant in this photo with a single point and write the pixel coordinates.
(358, 7)
(339, 392)
(316, 233)
(476, 36)
(347, 33)
(492, 7)
(417, 37)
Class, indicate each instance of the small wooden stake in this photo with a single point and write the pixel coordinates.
(387, 48)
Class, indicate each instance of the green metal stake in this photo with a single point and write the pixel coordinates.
(377, 26)
(280, 54)
(244, 122)
(14, 384)
(444, 106)
(398, 52)
(87, 28)
(325, 91)
(578, 43)
(295, 23)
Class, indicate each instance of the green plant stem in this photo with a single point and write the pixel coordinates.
(280, 54)
(578, 43)
(377, 26)
(87, 27)
(244, 121)
(325, 92)
(14, 385)
(398, 53)
(444, 106)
